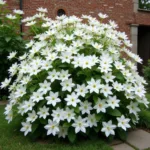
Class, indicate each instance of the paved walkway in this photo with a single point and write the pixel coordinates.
(136, 140)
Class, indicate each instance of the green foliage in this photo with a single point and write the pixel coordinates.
(146, 72)
(144, 4)
(71, 135)
(144, 115)
(122, 134)
(10, 40)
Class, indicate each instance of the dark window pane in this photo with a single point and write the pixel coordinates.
(61, 12)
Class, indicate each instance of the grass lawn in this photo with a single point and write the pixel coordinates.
(12, 139)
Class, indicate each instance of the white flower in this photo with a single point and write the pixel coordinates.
(51, 56)
(25, 80)
(52, 127)
(46, 64)
(113, 24)
(39, 15)
(20, 12)
(106, 90)
(60, 47)
(32, 116)
(31, 23)
(105, 63)
(9, 116)
(119, 65)
(133, 107)
(85, 107)
(2, 2)
(72, 99)
(44, 87)
(43, 10)
(5, 83)
(108, 77)
(91, 120)
(12, 55)
(117, 86)
(130, 95)
(63, 132)
(67, 85)
(108, 128)
(10, 16)
(126, 73)
(81, 90)
(127, 43)
(20, 91)
(21, 109)
(69, 114)
(58, 115)
(97, 46)
(68, 37)
(103, 16)
(64, 75)
(139, 91)
(27, 127)
(66, 57)
(80, 125)
(29, 44)
(94, 85)
(123, 122)
(113, 102)
(8, 108)
(43, 112)
(101, 106)
(53, 75)
(53, 98)
(37, 96)
(28, 105)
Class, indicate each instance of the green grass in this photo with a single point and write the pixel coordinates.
(12, 139)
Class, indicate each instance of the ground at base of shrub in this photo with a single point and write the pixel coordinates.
(11, 139)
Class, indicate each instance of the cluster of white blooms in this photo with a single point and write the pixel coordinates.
(2, 2)
(73, 73)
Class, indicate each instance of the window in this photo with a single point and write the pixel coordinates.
(144, 4)
(61, 12)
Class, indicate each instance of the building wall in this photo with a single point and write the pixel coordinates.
(124, 12)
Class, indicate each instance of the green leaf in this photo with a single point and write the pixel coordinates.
(34, 127)
(80, 73)
(119, 76)
(87, 95)
(71, 135)
(66, 125)
(97, 129)
(7, 39)
(32, 89)
(114, 112)
(95, 98)
(40, 104)
(99, 116)
(43, 121)
(122, 134)
(77, 110)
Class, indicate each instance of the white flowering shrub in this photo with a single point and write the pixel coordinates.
(74, 80)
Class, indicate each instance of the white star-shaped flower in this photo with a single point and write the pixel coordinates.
(108, 128)
(123, 122)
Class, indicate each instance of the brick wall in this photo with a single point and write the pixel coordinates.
(119, 10)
